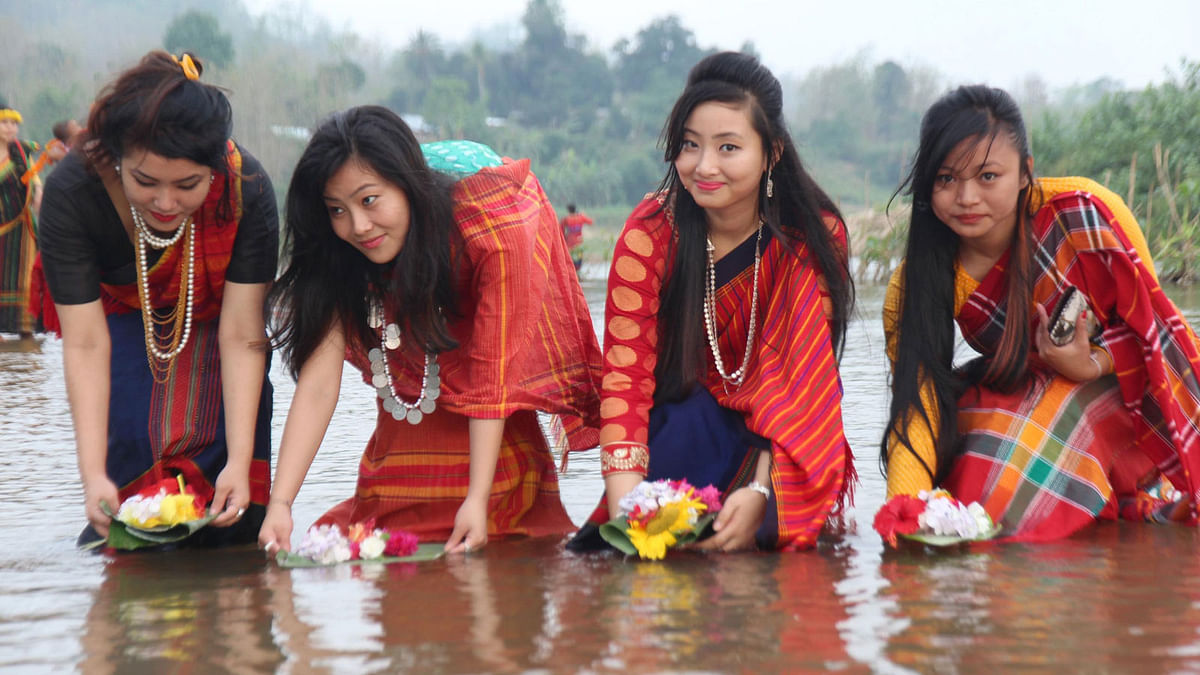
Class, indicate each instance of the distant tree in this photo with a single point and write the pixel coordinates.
(199, 33)
(344, 76)
(662, 51)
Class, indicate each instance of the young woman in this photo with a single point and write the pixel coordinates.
(1046, 436)
(440, 272)
(727, 303)
(159, 238)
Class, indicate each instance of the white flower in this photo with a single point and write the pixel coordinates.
(371, 547)
(947, 517)
(982, 520)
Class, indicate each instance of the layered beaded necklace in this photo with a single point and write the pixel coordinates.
(710, 316)
(175, 325)
(381, 373)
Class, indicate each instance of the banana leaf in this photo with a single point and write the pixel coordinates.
(425, 552)
(613, 532)
(943, 540)
(125, 537)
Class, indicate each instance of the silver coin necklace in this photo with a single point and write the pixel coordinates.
(381, 373)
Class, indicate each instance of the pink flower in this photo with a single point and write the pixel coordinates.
(400, 543)
(711, 497)
(900, 515)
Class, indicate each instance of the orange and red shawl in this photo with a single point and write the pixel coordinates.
(526, 340)
(792, 393)
(1154, 351)
(214, 238)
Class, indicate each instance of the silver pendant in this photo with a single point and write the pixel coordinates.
(428, 406)
(392, 342)
(377, 368)
(414, 416)
(380, 380)
(375, 355)
(389, 404)
(434, 382)
(398, 413)
(433, 393)
(383, 392)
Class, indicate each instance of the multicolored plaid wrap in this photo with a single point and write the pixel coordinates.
(1063, 448)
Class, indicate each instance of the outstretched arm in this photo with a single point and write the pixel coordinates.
(308, 418)
(87, 349)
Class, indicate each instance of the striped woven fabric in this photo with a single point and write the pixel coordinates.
(1082, 244)
(526, 344)
(792, 393)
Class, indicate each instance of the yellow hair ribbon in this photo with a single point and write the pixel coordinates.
(10, 114)
(187, 66)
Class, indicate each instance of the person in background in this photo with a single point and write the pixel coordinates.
(159, 239)
(20, 201)
(572, 227)
(1047, 433)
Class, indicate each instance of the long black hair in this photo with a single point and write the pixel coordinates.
(153, 106)
(793, 214)
(925, 348)
(327, 280)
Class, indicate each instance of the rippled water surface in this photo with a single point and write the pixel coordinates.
(1116, 598)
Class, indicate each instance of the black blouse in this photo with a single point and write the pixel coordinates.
(84, 243)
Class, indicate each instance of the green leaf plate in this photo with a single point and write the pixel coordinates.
(942, 540)
(125, 537)
(613, 532)
(425, 552)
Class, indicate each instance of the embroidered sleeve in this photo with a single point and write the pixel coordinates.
(630, 326)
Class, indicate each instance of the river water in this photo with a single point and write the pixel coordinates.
(1118, 597)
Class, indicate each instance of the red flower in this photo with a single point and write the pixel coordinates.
(400, 543)
(898, 516)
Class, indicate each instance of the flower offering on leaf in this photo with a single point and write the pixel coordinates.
(657, 515)
(165, 503)
(933, 517)
(326, 545)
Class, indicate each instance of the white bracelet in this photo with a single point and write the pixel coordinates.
(760, 489)
(1099, 368)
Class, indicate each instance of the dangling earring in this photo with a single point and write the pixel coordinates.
(770, 185)
(117, 167)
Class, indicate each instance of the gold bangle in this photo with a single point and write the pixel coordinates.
(624, 456)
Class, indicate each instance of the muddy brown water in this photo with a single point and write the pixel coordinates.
(1118, 597)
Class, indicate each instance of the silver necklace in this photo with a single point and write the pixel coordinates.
(710, 316)
(381, 373)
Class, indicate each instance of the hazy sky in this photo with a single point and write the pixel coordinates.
(1000, 42)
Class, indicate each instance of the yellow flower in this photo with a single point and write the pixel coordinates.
(177, 509)
(658, 534)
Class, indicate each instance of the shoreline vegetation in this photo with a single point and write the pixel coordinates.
(589, 115)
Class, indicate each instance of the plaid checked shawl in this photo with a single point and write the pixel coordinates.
(1038, 454)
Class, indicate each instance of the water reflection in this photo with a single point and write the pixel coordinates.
(1117, 597)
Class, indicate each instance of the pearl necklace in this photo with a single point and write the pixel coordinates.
(381, 374)
(710, 316)
(161, 352)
